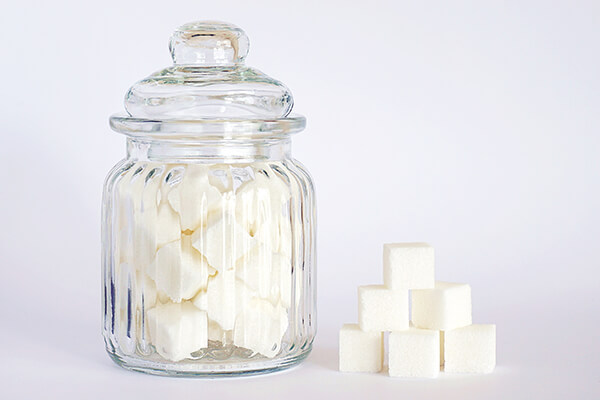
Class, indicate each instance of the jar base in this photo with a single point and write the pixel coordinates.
(208, 370)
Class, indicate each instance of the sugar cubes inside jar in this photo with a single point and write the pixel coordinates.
(208, 224)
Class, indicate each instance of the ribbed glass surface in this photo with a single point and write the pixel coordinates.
(208, 268)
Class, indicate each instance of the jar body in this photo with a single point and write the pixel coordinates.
(208, 258)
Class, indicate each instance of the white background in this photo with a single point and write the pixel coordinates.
(472, 125)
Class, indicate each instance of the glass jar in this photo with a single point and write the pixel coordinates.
(208, 242)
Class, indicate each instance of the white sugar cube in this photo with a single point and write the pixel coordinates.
(144, 225)
(125, 219)
(261, 200)
(414, 353)
(255, 269)
(247, 321)
(225, 298)
(382, 309)
(135, 293)
(441, 348)
(166, 227)
(360, 351)
(123, 239)
(223, 241)
(152, 180)
(162, 297)
(171, 179)
(408, 265)
(219, 175)
(267, 273)
(201, 300)
(279, 240)
(177, 329)
(447, 306)
(282, 280)
(278, 235)
(216, 333)
(179, 270)
(262, 208)
(194, 197)
(155, 224)
(471, 349)
(135, 287)
(260, 327)
(220, 299)
(128, 192)
(154, 227)
(126, 331)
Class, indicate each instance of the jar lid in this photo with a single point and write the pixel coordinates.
(208, 92)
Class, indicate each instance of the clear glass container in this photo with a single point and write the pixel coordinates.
(208, 224)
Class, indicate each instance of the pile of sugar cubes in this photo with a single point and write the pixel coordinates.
(439, 334)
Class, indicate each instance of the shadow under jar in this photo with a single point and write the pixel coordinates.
(208, 235)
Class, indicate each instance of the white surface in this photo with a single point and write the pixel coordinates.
(470, 125)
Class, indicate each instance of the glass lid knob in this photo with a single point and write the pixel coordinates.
(209, 43)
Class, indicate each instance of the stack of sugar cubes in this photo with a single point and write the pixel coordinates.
(440, 333)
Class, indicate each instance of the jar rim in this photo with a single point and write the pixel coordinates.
(207, 128)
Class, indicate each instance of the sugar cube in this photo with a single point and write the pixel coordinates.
(261, 200)
(153, 228)
(179, 270)
(225, 298)
(135, 293)
(194, 197)
(219, 175)
(135, 290)
(408, 265)
(216, 333)
(201, 300)
(255, 269)
(177, 329)
(144, 224)
(360, 351)
(382, 309)
(223, 241)
(414, 353)
(471, 349)
(441, 348)
(260, 327)
(269, 274)
(447, 306)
